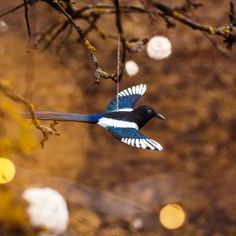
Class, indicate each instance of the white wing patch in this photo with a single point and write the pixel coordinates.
(138, 89)
(143, 143)
(126, 109)
(134, 89)
(108, 122)
(130, 91)
(126, 92)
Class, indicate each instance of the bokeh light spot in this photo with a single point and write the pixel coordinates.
(131, 68)
(159, 47)
(172, 216)
(7, 170)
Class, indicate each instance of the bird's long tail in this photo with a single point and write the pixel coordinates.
(61, 116)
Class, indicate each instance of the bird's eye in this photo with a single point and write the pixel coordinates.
(149, 111)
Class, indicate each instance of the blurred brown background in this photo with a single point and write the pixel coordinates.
(109, 185)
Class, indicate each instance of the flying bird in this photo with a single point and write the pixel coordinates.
(123, 124)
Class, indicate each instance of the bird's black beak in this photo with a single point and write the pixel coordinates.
(160, 116)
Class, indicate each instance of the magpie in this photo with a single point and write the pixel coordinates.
(123, 124)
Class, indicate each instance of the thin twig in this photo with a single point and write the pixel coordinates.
(171, 12)
(42, 36)
(46, 131)
(27, 20)
(56, 34)
(99, 73)
(166, 11)
(107, 9)
(12, 10)
(92, 24)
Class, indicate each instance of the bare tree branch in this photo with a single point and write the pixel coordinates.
(56, 34)
(4, 13)
(46, 131)
(99, 73)
(225, 31)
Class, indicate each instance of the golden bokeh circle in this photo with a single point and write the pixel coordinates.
(7, 170)
(172, 216)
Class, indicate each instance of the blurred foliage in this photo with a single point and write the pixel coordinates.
(195, 90)
(15, 133)
(85, 221)
(13, 215)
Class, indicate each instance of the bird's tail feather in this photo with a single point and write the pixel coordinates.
(61, 116)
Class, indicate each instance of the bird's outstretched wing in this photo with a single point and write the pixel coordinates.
(133, 137)
(127, 98)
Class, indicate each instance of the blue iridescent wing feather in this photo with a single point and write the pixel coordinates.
(133, 137)
(127, 98)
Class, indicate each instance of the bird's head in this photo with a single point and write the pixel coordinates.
(145, 113)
